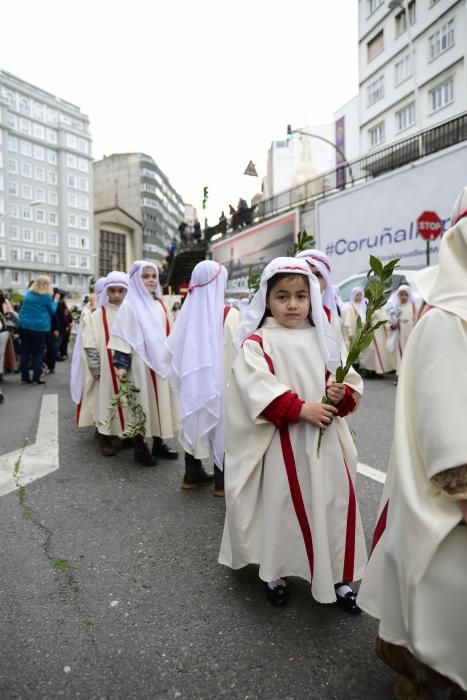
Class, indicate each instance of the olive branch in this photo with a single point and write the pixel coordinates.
(377, 293)
(127, 397)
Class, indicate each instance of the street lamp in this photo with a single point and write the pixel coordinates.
(291, 131)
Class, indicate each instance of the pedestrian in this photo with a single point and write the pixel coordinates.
(375, 360)
(176, 306)
(34, 323)
(82, 385)
(401, 310)
(67, 323)
(355, 309)
(201, 356)
(287, 509)
(415, 580)
(138, 340)
(95, 339)
(4, 340)
(320, 266)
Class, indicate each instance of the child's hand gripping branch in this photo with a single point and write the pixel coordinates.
(335, 392)
(318, 414)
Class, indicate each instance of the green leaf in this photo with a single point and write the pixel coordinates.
(376, 266)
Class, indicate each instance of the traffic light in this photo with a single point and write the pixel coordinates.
(289, 132)
(205, 197)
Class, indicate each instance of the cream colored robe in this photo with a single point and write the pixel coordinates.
(349, 323)
(94, 337)
(155, 397)
(416, 579)
(376, 357)
(85, 409)
(407, 319)
(261, 525)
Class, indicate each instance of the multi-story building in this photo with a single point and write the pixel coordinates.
(45, 188)
(412, 67)
(137, 185)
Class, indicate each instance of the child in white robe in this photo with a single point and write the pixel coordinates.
(375, 360)
(402, 313)
(82, 385)
(95, 338)
(356, 308)
(415, 582)
(287, 509)
(138, 340)
(201, 356)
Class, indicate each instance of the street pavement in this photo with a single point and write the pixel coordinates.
(110, 586)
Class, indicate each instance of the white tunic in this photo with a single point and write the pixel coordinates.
(407, 318)
(96, 337)
(376, 357)
(155, 397)
(85, 409)
(416, 578)
(265, 466)
(349, 322)
(231, 325)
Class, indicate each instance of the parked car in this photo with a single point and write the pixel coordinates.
(400, 276)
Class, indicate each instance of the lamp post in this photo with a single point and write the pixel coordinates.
(291, 131)
(404, 6)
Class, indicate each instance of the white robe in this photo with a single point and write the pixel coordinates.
(95, 337)
(376, 357)
(261, 525)
(85, 409)
(349, 323)
(416, 578)
(398, 338)
(155, 397)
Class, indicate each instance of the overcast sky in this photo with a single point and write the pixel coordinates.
(202, 86)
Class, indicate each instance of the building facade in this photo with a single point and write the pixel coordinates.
(134, 183)
(45, 189)
(412, 72)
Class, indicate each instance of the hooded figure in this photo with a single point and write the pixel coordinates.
(355, 309)
(287, 509)
(401, 311)
(416, 577)
(138, 339)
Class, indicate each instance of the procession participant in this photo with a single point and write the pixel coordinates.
(95, 339)
(320, 266)
(402, 312)
(375, 360)
(82, 384)
(288, 509)
(201, 356)
(356, 308)
(415, 579)
(138, 340)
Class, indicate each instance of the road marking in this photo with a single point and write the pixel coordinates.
(371, 473)
(37, 459)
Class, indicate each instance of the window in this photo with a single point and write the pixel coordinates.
(72, 240)
(373, 5)
(40, 256)
(27, 255)
(82, 146)
(71, 141)
(26, 148)
(403, 69)
(38, 110)
(442, 40)
(83, 184)
(14, 211)
(51, 116)
(39, 131)
(84, 243)
(84, 262)
(25, 126)
(73, 221)
(24, 105)
(26, 169)
(51, 157)
(53, 238)
(2, 229)
(40, 216)
(84, 203)
(71, 180)
(52, 198)
(13, 188)
(375, 46)
(72, 200)
(69, 280)
(54, 258)
(83, 222)
(376, 135)
(2, 252)
(83, 165)
(13, 166)
(26, 213)
(39, 153)
(12, 121)
(71, 161)
(41, 237)
(51, 135)
(442, 95)
(12, 143)
(375, 91)
(51, 177)
(401, 19)
(73, 261)
(53, 218)
(14, 233)
(39, 174)
(27, 235)
(15, 254)
(26, 191)
(40, 194)
(14, 273)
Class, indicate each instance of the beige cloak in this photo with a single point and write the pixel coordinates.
(376, 356)
(85, 409)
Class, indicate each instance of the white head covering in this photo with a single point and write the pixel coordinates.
(113, 279)
(77, 371)
(240, 304)
(394, 301)
(196, 360)
(139, 323)
(361, 306)
(322, 263)
(445, 285)
(328, 343)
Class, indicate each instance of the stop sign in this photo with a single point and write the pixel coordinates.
(183, 289)
(429, 225)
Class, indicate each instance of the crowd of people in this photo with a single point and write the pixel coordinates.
(251, 386)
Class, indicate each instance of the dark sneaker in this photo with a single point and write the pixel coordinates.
(144, 457)
(107, 446)
(348, 603)
(277, 596)
(162, 450)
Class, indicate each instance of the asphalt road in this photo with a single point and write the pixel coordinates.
(110, 587)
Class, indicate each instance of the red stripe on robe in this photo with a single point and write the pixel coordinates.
(112, 368)
(380, 527)
(349, 556)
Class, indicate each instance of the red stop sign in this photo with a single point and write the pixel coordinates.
(183, 289)
(429, 225)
